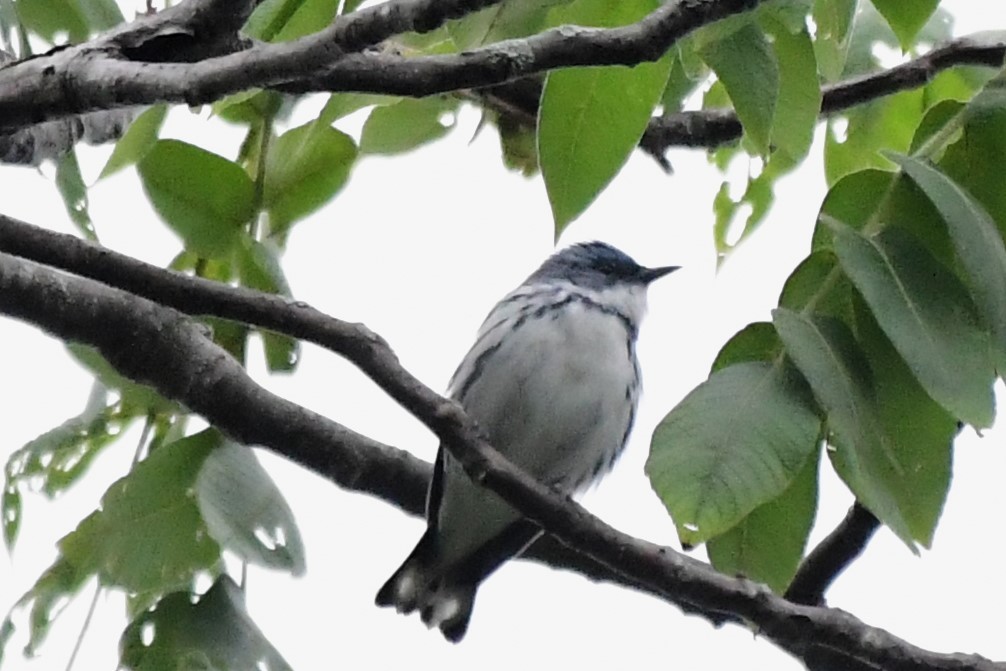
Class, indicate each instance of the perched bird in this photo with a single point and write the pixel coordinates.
(553, 380)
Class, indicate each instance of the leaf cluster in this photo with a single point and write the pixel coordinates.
(886, 341)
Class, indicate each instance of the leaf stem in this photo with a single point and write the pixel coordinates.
(85, 626)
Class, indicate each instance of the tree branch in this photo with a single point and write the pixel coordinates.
(832, 556)
(713, 127)
(709, 128)
(100, 74)
(197, 296)
(157, 345)
(192, 54)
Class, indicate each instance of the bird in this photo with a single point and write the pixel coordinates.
(553, 381)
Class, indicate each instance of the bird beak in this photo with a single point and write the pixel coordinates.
(647, 275)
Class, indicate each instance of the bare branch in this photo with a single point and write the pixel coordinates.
(158, 345)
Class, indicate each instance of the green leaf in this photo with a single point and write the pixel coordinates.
(888, 123)
(305, 168)
(927, 314)
(906, 18)
(8, 24)
(978, 158)
(214, 632)
(589, 122)
(865, 199)
(10, 514)
(978, 243)
(231, 336)
(506, 20)
(519, 145)
(57, 458)
(101, 15)
(137, 140)
(920, 432)
(754, 342)
(853, 200)
(284, 20)
(148, 534)
(680, 84)
(746, 65)
(407, 125)
(817, 285)
(49, 17)
(245, 511)
(834, 365)
(767, 545)
(799, 101)
(712, 467)
(73, 191)
(260, 268)
(757, 197)
(590, 119)
(45, 600)
(833, 19)
(203, 197)
(249, 107)
(343, 104)
(937, 118)
(136, 398)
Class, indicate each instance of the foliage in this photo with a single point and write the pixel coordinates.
(889, 334)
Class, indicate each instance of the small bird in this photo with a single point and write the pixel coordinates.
(553, 380)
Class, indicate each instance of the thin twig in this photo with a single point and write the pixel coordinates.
(832, 556)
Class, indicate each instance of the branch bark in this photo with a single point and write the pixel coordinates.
(102, 75)
(159, 346)
(192, 54)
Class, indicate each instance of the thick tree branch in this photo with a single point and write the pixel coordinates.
(191, 53)
(197, 296)
(157, 345)
(566, 46)
(100, 75)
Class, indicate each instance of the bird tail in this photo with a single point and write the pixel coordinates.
(444, 598)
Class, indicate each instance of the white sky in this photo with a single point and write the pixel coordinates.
(419, 248)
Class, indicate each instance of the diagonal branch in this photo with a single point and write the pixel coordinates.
(157, 345)
(197, 296)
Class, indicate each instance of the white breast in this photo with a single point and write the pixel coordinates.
(553, 378)
(553, 381)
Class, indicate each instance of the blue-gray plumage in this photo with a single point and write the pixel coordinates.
(553, 380)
